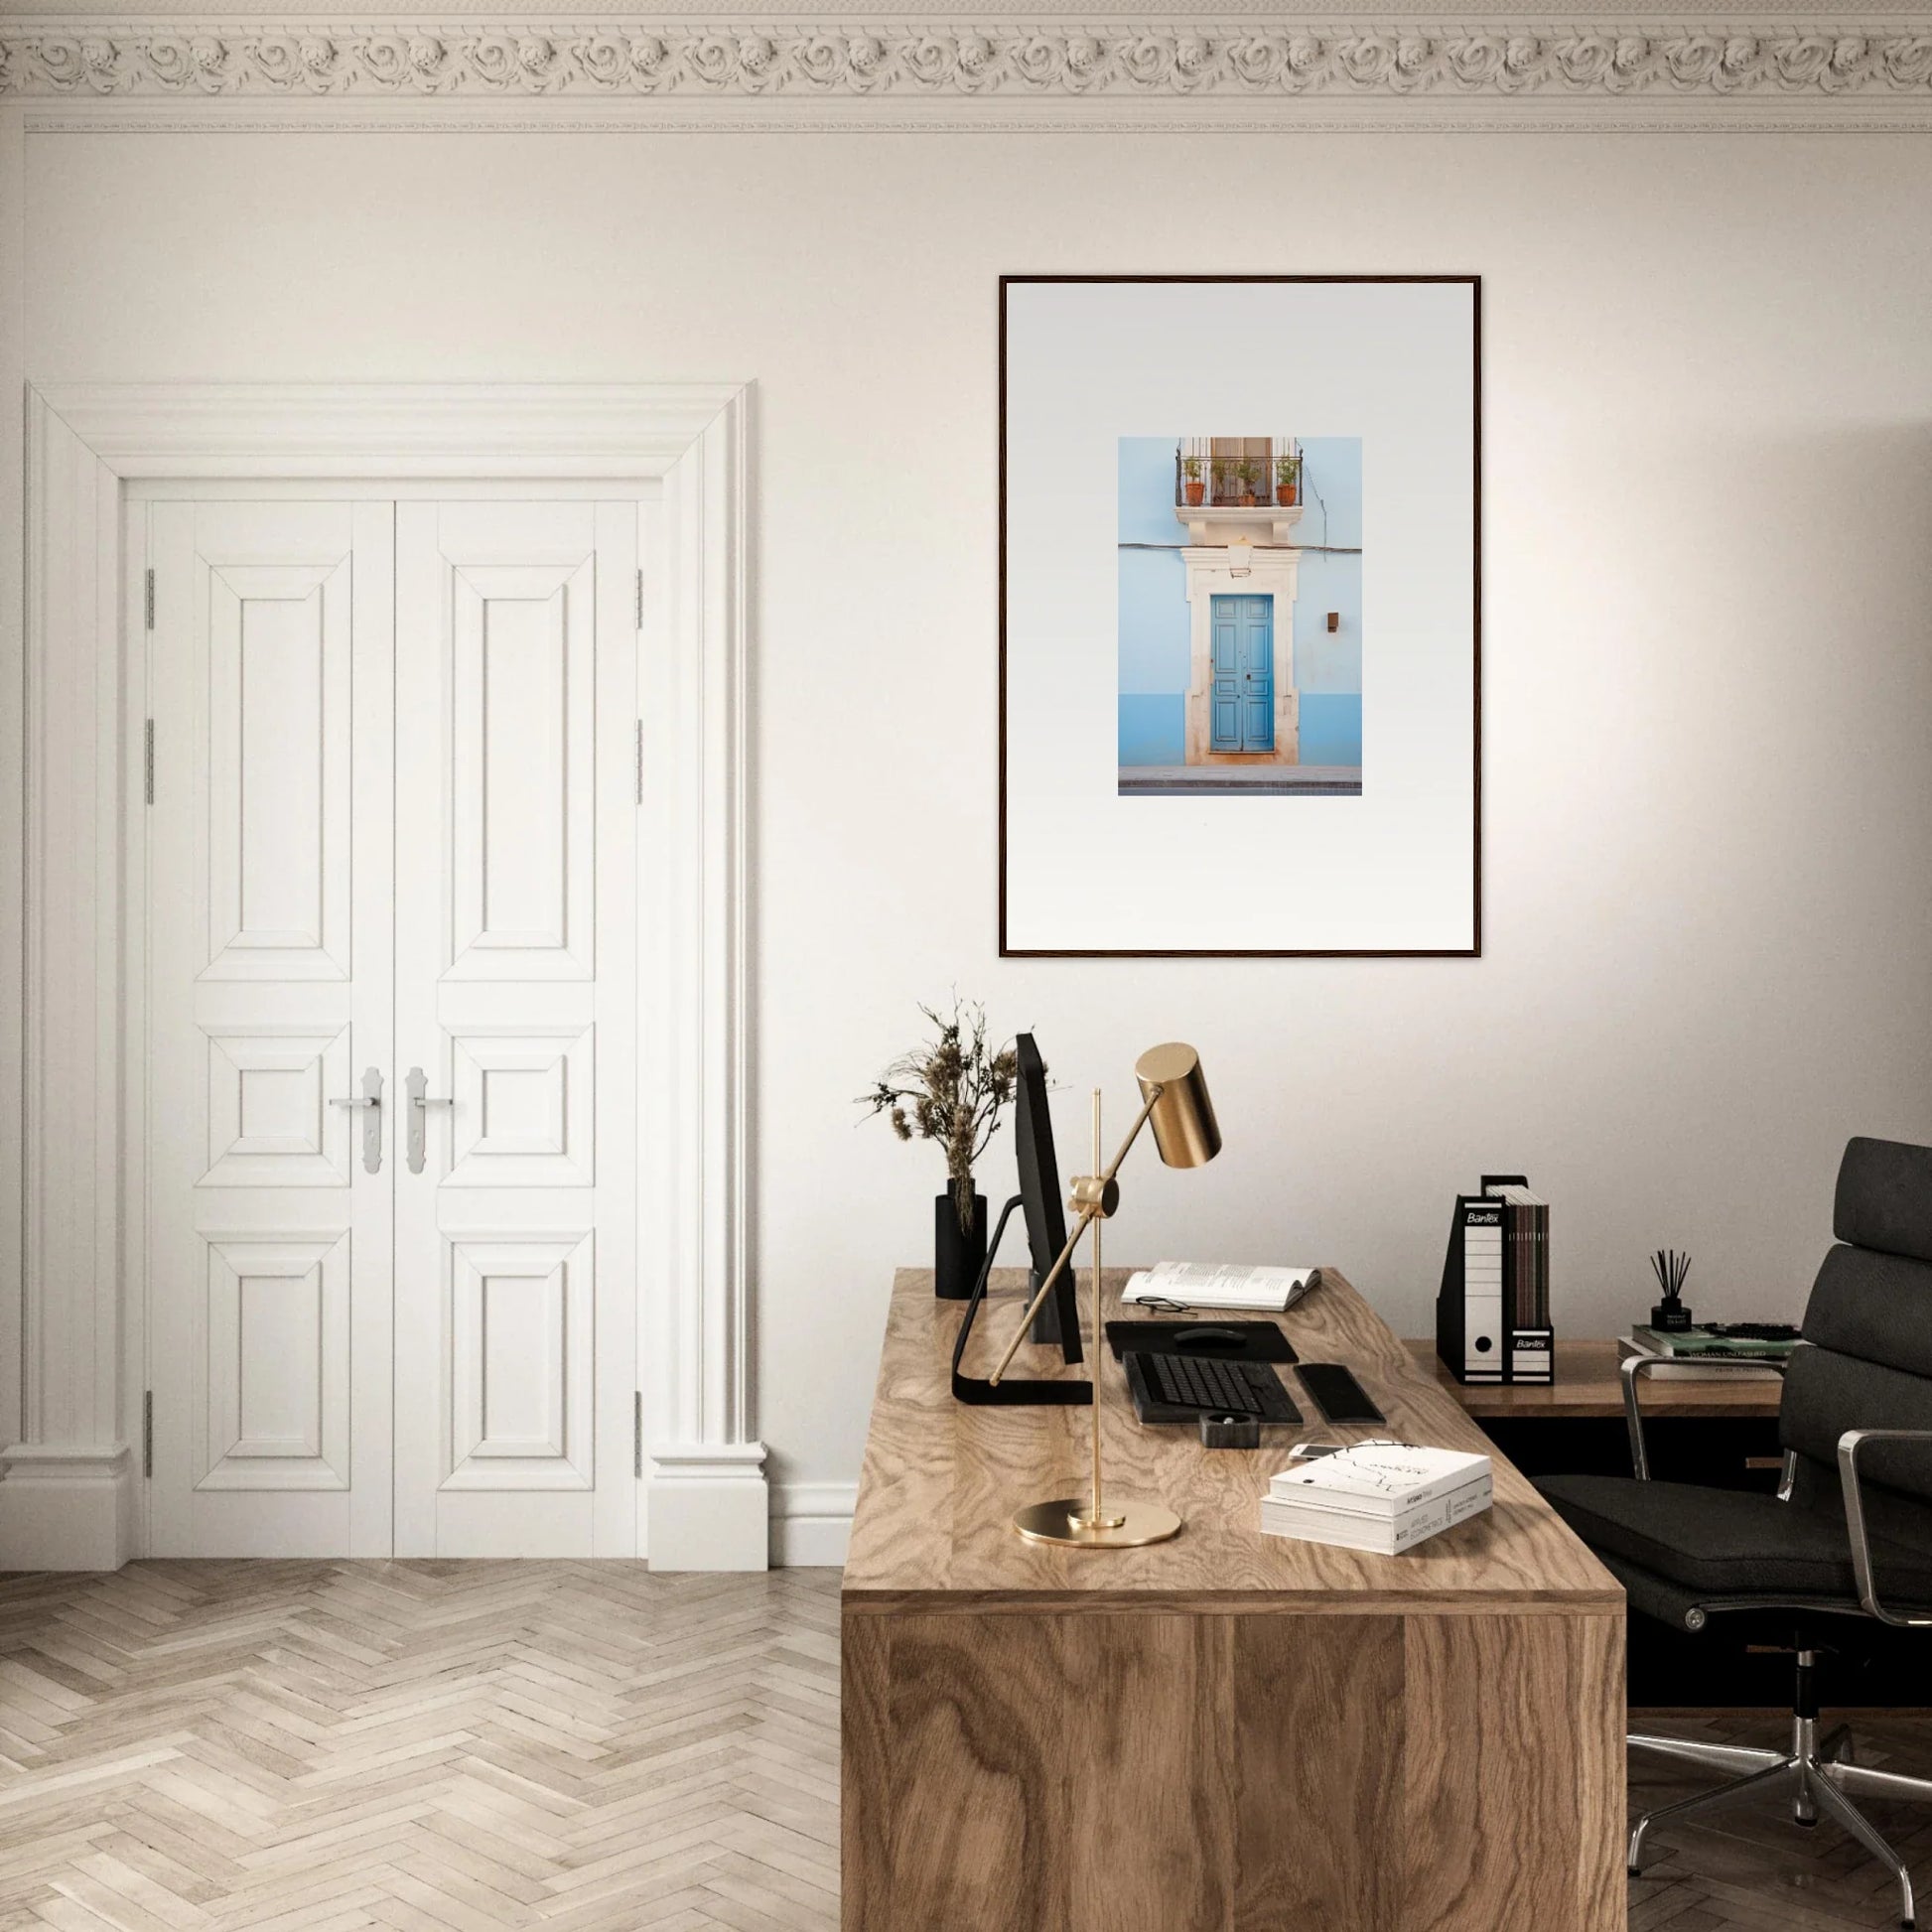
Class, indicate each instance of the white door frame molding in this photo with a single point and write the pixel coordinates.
(70, 1461)
(1224, 571)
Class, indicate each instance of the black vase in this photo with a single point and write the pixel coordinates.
(957, 1255)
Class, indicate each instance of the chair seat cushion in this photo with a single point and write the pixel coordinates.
(1728, 1542)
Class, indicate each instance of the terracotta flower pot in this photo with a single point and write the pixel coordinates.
(1248, 501)
(1287, 494)
(1196, 491)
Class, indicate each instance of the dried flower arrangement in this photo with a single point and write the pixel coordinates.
(951, 1090)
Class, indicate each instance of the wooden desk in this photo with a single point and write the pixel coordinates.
(1224, 1730)
(1588, 1385)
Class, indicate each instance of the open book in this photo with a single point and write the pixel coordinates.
(1213, 1285)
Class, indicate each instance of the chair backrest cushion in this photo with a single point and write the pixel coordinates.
(1869, 1325)
(1884, 1197)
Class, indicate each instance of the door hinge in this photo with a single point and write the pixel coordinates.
(637, 1433)
(147, 758)
(641, 760)
(148, 597)
(641, 599)
(147, 1433)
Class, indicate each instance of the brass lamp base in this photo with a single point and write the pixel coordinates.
(1126, 1526)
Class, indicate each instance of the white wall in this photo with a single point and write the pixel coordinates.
(1708, 442)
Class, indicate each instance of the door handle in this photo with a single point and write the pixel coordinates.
(420, 1102)
(371, 1100)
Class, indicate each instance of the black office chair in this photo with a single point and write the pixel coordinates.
(1848, 1536)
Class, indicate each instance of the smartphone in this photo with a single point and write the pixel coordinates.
(1336, 1393)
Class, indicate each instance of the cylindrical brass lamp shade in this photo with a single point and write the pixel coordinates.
(1182, 1118)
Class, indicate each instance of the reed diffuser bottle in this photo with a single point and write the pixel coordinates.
(1670, 1317)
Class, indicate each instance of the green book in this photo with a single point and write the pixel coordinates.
(1701, 1341)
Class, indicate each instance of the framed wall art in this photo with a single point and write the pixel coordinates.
(1240, 665)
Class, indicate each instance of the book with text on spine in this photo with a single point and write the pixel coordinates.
(1377, 1496)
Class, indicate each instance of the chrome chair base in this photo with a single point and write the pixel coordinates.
(1817, 1774)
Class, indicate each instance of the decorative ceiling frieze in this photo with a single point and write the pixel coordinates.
(1567, 65)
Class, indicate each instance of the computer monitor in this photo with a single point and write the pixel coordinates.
(1039, 1197)
(1038, 1200)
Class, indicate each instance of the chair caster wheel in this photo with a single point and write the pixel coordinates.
(1633, 1872)
(1810, 1824)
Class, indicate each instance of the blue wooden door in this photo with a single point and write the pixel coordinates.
(1244, 674)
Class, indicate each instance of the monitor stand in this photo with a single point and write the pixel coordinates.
(1011, 1391)
(1047, 1324)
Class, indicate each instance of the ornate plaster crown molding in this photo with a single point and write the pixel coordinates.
(1831, 71)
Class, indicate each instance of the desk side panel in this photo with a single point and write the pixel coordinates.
(1315, 1720)
(1270, 1773)
(1513, 1774)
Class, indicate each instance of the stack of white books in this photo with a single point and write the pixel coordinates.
(1219, 1285)
(1381, 1496)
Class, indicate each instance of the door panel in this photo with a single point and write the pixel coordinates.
(1258, 685)
(1244, 674)
(515, 976)
(270, 992)
(522, 720)
(279, 757)
(1226, 731)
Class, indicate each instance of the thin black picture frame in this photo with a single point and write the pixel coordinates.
(1471, 951)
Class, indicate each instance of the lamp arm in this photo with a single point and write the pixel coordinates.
(1133, 1133)
(1088, 1215)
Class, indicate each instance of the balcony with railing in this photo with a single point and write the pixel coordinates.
(1234, 489)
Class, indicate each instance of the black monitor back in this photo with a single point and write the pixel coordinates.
(1040, 1192)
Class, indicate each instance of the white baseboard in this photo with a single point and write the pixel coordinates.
(709, 1507)
(64, 1508)
(811, 1523)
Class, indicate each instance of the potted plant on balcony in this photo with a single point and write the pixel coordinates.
(1249, 476)
(1194, 487)
(1288, 480)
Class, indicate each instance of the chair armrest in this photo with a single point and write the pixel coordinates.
(1849, 1445)
(1635, 1367)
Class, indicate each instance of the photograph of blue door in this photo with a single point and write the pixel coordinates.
(1244, 674)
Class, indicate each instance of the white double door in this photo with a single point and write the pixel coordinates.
(390, 857)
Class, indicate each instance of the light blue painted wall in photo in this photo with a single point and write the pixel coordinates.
(1146, 491)
(1154, 621)
(1332, 727)
(1153, 728)
(1154, 616)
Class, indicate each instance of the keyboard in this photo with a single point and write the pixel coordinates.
(1181, 1388)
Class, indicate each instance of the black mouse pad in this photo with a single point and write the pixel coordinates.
(1237, 1341)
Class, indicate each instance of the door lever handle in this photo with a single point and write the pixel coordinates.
(371, 1100)
(421, 1100)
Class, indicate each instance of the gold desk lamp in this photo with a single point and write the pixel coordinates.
(1174, 1101)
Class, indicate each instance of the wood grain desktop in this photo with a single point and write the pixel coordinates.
(1228, 1731)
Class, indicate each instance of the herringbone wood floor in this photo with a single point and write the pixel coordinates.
(429, 1747)
(459, 1748)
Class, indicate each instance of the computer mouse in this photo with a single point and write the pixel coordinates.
(1207, 1337)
